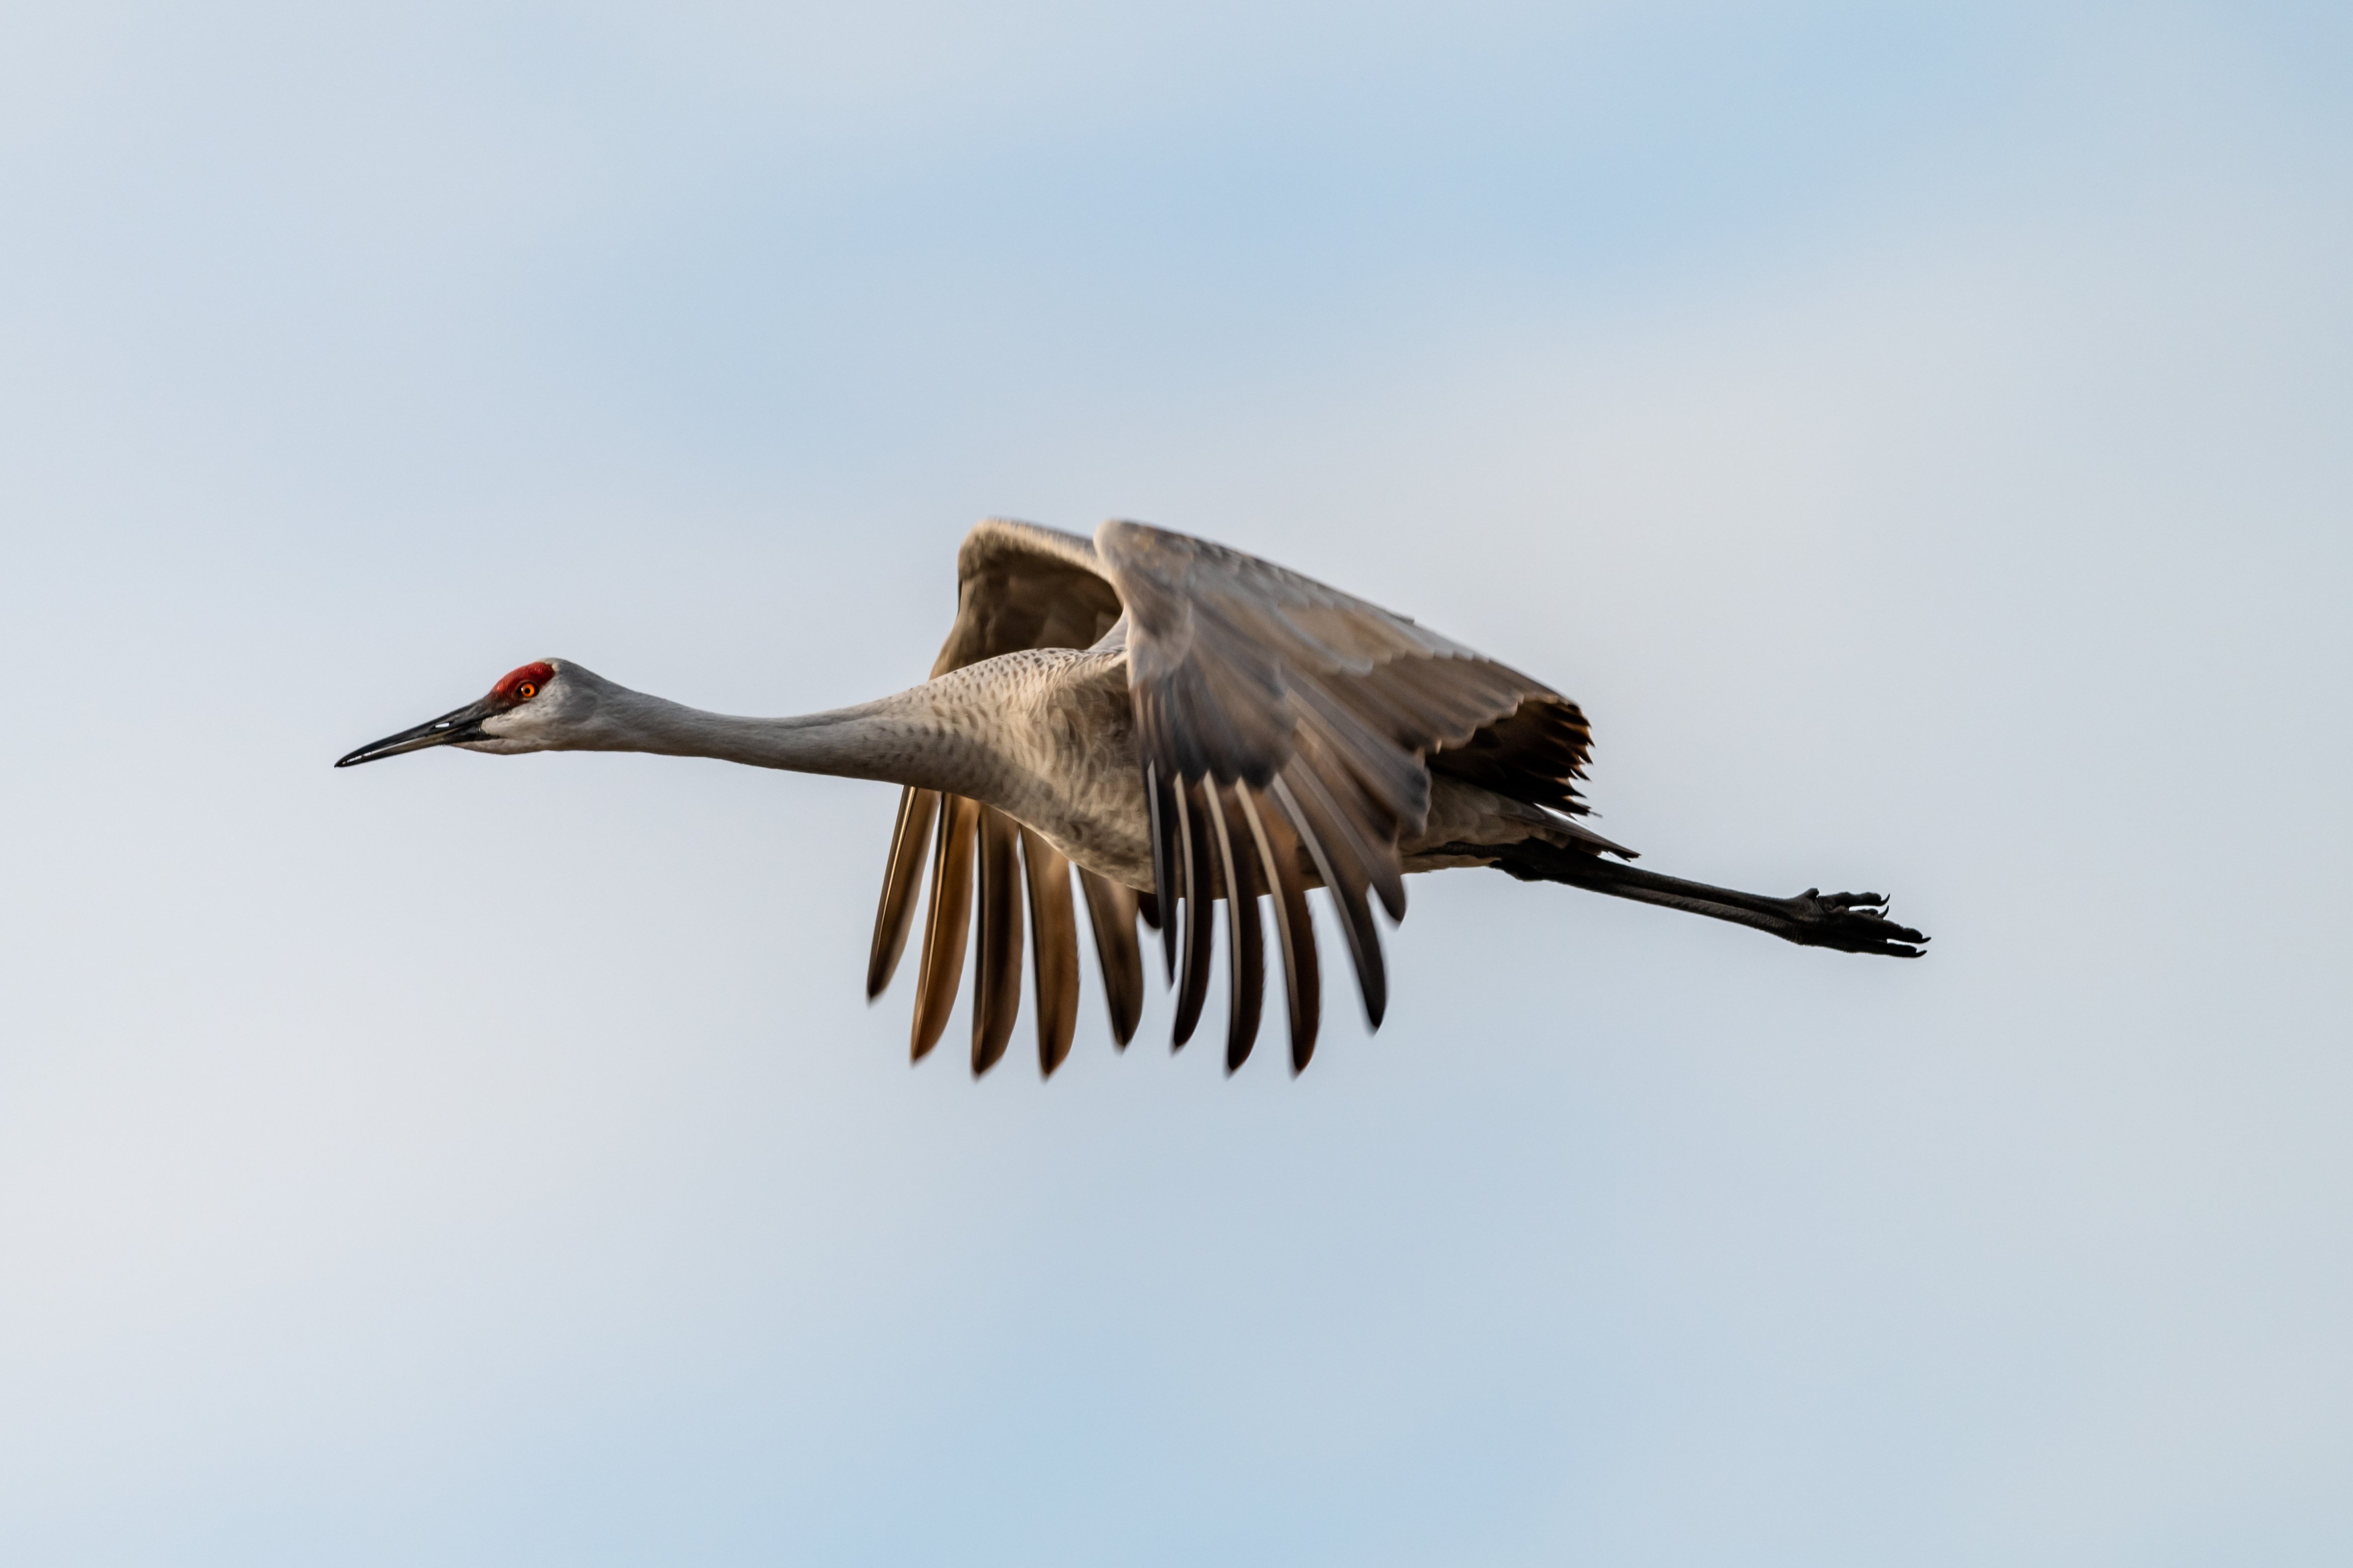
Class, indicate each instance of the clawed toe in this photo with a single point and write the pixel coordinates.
(1853, 922)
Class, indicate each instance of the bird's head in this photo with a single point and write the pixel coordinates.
(542, 707)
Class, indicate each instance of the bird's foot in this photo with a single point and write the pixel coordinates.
(1852, 923)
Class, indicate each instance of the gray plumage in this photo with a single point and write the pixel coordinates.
(1172, 720)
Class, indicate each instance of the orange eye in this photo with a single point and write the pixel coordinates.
(527, 692)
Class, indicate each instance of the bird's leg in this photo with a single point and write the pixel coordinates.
(1851, 922)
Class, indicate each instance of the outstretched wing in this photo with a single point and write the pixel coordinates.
(1020, 586)
(1288, 734)
(1285, 725)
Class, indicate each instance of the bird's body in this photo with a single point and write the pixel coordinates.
(1176, 719)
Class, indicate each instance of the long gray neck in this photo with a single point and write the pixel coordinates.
(910, 738)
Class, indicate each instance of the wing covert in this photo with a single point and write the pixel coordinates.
(1260, 692)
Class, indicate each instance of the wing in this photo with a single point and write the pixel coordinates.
(1018, 586)
(1285, 726)
(1288, 734)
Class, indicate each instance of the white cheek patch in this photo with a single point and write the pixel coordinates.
(509, 734)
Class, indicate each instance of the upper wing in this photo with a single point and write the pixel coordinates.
(1018, 586)
(1273, 712)
(1022, 586)
(1288, 734)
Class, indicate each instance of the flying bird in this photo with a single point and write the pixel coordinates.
(1187, 727)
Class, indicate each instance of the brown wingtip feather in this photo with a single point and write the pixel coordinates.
(996, 978)
(1295, 928)
(1245, 937)
(1193, 857)
(1339, 861)
(1111, 910)
(1164, 807)
(894, 916)
(947, 921)
(1054, 949)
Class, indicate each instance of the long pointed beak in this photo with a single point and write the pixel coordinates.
(458, 725)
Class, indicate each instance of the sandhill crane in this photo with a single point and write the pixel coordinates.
(1177, 720)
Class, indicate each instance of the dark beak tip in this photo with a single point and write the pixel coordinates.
(459, 725)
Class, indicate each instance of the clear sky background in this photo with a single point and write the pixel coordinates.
(1919, 436)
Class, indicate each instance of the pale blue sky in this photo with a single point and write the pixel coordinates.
(1918, 437)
